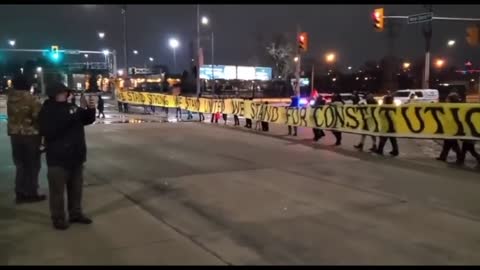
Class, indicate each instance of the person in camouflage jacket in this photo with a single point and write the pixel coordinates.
(23, 128)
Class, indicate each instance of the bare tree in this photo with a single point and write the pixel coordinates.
(281, 52)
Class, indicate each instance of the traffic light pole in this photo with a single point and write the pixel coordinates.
(297, 70)
(427, 33)
(197, 77)
(428, 37)
(125, 41)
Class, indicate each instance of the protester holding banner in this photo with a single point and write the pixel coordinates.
(248, 121)
(317, 132)
(387, 100)
(236, 120)
(294, 103)
(264, 123)
(201, 117)
(451, 144)
(370, 99)
(337, 101)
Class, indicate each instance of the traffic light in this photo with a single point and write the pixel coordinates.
(473, 35)
(54, 54)
(378, 20)
(303, 41)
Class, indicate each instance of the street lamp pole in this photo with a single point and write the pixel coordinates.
(297, 71)
(198, 51)
(125, 42)
(174, 60)
(213, 73)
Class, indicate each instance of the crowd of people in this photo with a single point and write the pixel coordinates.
(378, 144)
(55, 128)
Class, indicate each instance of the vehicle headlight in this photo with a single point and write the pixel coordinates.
(397, 102)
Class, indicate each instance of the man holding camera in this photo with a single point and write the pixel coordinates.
(62, 125)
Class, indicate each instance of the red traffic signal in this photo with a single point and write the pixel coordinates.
(378, 20)
(473, 35)
(303, 41)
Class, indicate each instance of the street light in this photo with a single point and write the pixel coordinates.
(173, 42)
(151, 59)
(106, 53)
(349, 67)
(101, 35)
(330, 57)
(439, 63)
(451, 43)
(135, 52)
(406, 65)
(12, 42)
(204, 20)
(295, 59)
(39, 69)
(85, 55)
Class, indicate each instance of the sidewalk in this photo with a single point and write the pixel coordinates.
(122, 234)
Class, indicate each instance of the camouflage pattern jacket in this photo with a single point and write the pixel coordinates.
(22, 110)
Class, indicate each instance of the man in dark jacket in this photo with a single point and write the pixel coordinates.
(450, 144)
(318, 132)
(248, 121)
(370, 100)
(387, 100)
(62, 125)
(294, 103)
(22, 110)
(337, 100)
(101, 106)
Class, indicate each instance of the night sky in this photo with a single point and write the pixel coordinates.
(344, 29)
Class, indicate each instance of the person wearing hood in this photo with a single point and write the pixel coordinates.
(22, 127)
(62, 125)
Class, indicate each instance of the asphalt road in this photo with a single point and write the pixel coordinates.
(253, 199)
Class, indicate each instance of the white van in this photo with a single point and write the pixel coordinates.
(407, 96)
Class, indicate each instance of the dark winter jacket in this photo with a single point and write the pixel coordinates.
(61, 124)
(388, 100)
(100, 105)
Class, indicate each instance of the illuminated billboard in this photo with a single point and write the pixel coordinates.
(263, 73)
(245, 73)
(235, 72)
(230, 72)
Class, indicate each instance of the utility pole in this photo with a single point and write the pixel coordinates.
(299, 60)
(427, 33)
(313, 77)
(114, 68)
(389, 68)
(125, 41)
(213, 73)
(198, 51)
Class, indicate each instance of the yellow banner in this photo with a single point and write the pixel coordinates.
(432, 120)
